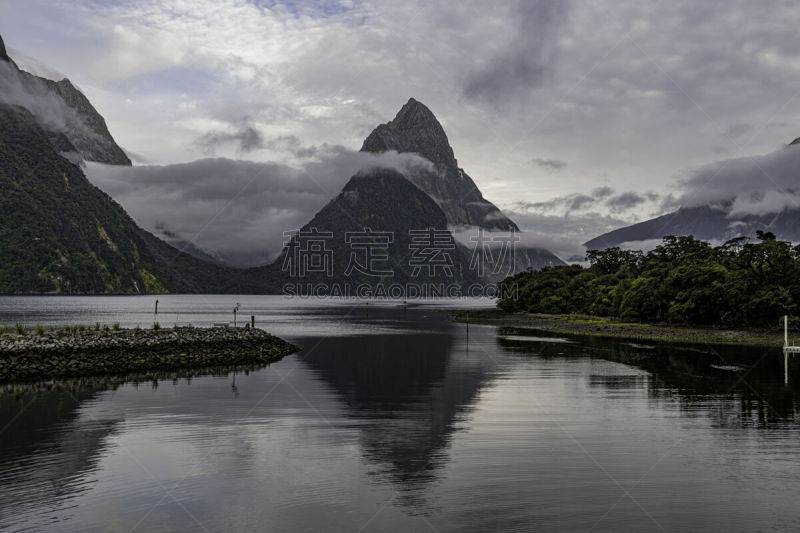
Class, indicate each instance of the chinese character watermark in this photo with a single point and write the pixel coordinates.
(429, 250)
(307, 251)
(494, 252)
(367, 250)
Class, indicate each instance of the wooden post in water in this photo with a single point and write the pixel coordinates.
(252, 321)
(155, 314)
(786, 367)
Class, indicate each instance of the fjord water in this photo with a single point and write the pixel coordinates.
(396, 419)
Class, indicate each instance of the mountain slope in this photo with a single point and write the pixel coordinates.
(60, 108)
(415, 129)
(382, 200)
(705, 223)
(59, 233)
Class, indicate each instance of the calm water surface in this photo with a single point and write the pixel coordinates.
(396, 419)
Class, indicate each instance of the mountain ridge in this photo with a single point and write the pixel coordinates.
(61, 108)
(415, 129)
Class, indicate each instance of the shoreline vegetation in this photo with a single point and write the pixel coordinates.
(741, 285)
(575, 324)
(80, 351)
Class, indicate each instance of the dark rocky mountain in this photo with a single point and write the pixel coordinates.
(415, 129)
(708, 223)
(61, 234)
(61, 109)
(383, 201)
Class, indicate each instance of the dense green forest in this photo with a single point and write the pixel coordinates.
(682, 281)
(61, 234)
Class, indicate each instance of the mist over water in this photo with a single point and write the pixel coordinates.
(393, 418)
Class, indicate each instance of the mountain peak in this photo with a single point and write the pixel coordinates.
(3, 54)
(414, 129)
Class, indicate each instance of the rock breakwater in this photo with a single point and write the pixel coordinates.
(91, 352)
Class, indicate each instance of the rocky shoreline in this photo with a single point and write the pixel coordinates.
(70, 352)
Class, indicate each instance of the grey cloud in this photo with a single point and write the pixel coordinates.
(246, 139)
(568, 203)
(526, 57)
(34, 66)
(625, 201)
(562, 234)
(602, 192)
(578, 201)
(137, 157)
(735, 131)
(236, 209)
(31, 93)
(550, 164)
(293, 145)
(746, 185)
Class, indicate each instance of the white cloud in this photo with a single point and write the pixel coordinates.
(630, 90)
(236, 209)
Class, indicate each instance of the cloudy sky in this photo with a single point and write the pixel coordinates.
(574, 115)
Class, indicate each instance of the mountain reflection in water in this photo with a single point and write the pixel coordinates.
(402, 420)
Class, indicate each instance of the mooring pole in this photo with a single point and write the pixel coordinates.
(252, 321)
(786, 367)
(786, 330)
(155, 313)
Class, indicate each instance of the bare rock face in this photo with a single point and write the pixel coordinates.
(415, 129)
(62, 110)
(3, 54)
(91, 138)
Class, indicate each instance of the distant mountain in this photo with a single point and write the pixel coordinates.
(708, 223)
(738, 183)
(60, 109)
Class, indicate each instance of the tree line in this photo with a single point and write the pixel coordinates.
(682, 281)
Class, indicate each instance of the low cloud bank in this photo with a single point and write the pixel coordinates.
(236, 210)
(757, 185)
